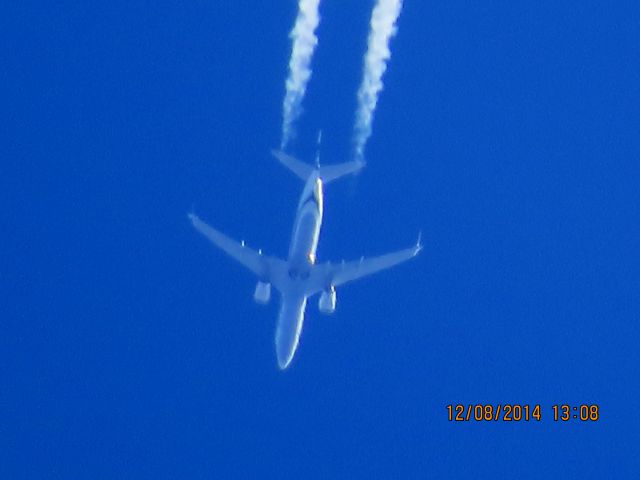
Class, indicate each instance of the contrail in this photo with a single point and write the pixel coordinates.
(383, 19)
(304, 43)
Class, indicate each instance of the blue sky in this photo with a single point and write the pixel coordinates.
(130, 348)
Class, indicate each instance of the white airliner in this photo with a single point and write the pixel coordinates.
(299, 277)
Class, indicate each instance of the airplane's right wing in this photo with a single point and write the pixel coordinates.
(263, 266)
(340, 273)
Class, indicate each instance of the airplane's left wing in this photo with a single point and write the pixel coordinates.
(263, 266)
(327, 274)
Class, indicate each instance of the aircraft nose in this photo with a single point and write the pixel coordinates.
(283, 362)
(288, 330)
(285, 349)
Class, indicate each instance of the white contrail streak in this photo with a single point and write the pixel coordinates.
(304, 42)
(383, 19)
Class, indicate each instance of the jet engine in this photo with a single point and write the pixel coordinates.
(262, 293)
(327, 302)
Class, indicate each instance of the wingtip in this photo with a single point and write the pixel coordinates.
(418, 246)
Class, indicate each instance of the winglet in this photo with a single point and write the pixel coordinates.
(418, 246)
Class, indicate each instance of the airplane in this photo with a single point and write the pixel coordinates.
(299, 276)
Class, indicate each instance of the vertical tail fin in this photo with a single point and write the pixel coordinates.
(326, 172)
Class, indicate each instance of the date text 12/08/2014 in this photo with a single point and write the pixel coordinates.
(520, 412)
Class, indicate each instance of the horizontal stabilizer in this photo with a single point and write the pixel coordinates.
(326, 172)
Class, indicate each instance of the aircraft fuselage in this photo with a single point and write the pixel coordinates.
(302, 254)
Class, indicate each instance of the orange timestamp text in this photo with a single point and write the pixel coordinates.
(514, 412)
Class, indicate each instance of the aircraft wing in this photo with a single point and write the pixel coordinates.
(340, 273)
(263, 266)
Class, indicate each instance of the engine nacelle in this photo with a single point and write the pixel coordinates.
(327, 302)
(262, 293)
